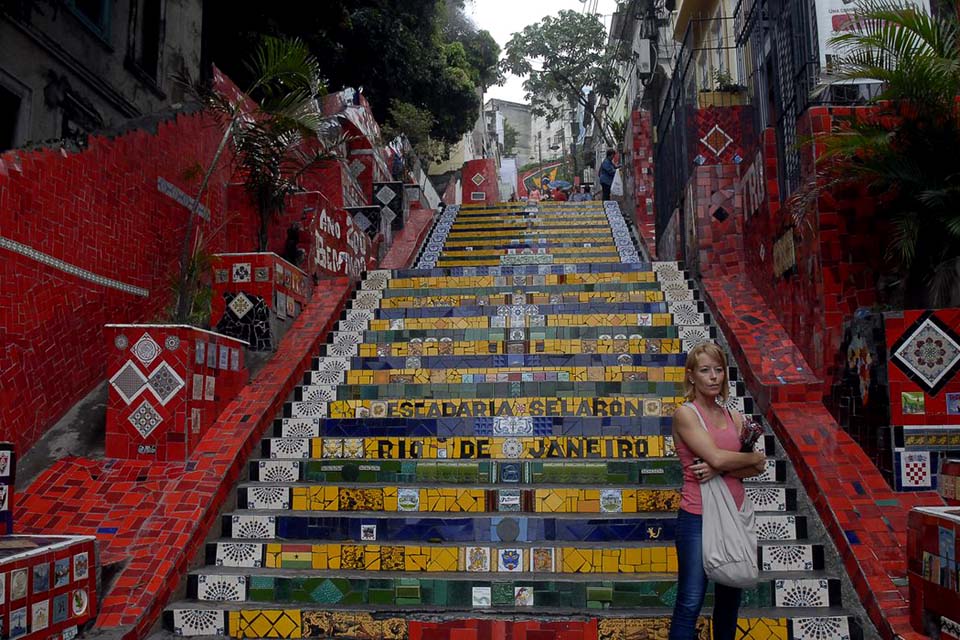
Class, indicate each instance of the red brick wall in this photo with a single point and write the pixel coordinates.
(99, 210)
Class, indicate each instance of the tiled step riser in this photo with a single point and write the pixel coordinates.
(540, 293)
(622, 337)
(359, 625)
(212, 587)
(682, 313)
(482, 529)
(331, 498)
(665, 271)
(517, 426)
(532, 360)
(654, 473)
(478, 500)
(496, 448)
(505, 561)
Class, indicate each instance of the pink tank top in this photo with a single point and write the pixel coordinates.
(728, 439)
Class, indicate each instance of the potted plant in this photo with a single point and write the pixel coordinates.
(724, 92)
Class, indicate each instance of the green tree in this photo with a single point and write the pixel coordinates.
(510, 137)
(416, 124)
(561, 56)
(395, 49)
(266, 140)
(905, 151)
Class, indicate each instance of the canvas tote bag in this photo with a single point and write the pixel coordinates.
(729, 534)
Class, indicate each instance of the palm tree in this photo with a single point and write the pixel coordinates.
(274, 135)
(905, 151)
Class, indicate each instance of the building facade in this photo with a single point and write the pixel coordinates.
(68, 68)
(500, 113)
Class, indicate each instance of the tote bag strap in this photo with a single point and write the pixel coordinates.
(699, 415)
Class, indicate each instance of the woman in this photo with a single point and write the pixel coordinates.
(703, 456)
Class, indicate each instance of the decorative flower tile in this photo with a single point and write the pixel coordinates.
(129, 382)
(786, 557)
(247, 527)
(928, 352)
(239, 554)
(221, 588)
(241, 272)
(259, 497)
(199, 622)
(146, 349)
(289, 448)
(278, 471)
(165, 383)
(820, 628)
(300, 428)
(802, 593)
(145, 419)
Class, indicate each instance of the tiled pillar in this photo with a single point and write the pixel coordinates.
(251, 292)
(168, 384)
(479, 183)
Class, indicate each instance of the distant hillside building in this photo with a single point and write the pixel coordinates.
(499, 112)
(74, 66)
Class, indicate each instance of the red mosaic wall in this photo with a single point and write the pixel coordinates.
(836, 250)
(50, 591)
(723, 134)
(168, 385)
(640, 137)
(714, 242)
(101, 210)
(921, 361)
(156, 527)
(487, 168)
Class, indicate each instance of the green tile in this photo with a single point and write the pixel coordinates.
(380, 596)
(601, 594)
(501, 593)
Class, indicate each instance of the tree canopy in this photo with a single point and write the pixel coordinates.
(562, 55)
(425, 53)
(905, 149)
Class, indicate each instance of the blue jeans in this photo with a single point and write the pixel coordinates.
(692, 586)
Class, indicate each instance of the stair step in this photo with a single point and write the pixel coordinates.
(239, 621)
(643, 473)
(224, 584)
(480, 528)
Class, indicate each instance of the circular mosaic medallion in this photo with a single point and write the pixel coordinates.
(172, 343)
(508, 530)
(121, 342)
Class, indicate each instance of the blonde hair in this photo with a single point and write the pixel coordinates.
(711, 350)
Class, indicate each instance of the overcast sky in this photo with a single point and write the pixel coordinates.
(504, 17)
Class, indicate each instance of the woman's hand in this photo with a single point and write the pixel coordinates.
(703, 472)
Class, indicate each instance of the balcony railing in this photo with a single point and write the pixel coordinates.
(708, 72)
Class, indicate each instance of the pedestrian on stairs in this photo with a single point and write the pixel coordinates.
(608, 170)
(705, 454)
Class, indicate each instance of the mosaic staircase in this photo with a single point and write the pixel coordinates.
(483, 451)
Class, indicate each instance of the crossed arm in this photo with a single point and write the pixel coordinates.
(686, 427)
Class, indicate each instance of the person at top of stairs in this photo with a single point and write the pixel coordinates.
(704, 455)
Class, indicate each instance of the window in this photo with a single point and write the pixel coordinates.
(149, 37)
(9, 118)
(94, 13)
